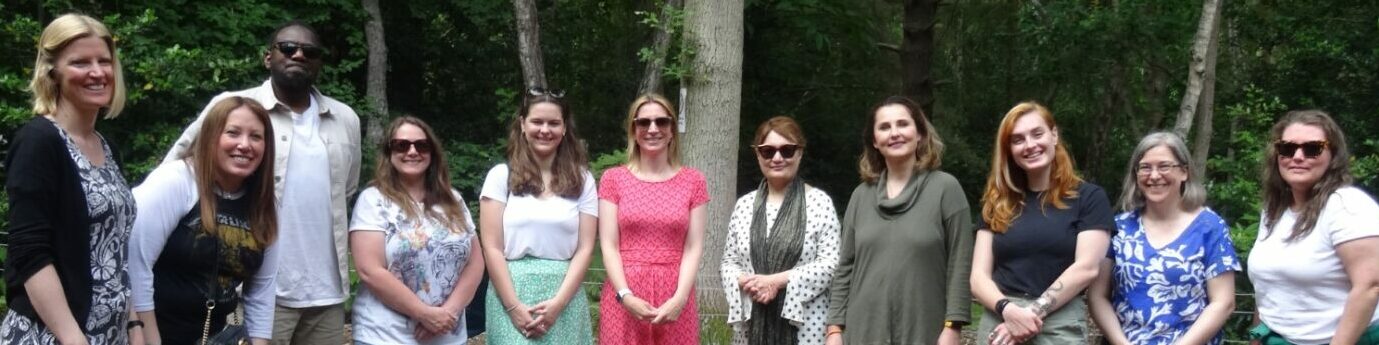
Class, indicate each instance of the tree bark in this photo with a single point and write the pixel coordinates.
(917, 52)
(1201, 147)
(376, 90)
(660, 44)
(1207, 27)
(529, 43)
(714, 30)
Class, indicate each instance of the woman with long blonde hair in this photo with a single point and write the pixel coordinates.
(1041, 237)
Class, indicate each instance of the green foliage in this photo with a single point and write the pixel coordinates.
(678, 56)
(608, 160)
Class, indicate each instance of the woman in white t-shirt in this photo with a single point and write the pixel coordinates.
(538, 219)
(413, 244)
(1313, 262)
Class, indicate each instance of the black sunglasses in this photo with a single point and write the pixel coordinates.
(538, 91)
(289, 48)
(645, 122)
(423, 146)
(787, 151)
(1310, 149)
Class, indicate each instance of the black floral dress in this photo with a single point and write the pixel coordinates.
(111, 208)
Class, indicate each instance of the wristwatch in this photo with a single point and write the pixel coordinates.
(624, 292)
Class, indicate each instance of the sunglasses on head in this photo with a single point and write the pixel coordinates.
(288, 49)
(1310, 149)
(645, 122)
(538, 91)
(787, 151)
(423, 146)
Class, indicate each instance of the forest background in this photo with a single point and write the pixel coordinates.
(1111, 71)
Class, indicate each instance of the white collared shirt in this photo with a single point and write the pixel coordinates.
(338, 130)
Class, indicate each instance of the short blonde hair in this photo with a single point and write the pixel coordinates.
(634, 153)
(56, 37)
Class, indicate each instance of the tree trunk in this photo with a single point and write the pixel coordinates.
(917, 52)
(529, 43)
(376, 91)
(1207, 28)
(1201, 146)
(651, 76)
(714, 30)
(1158, 85)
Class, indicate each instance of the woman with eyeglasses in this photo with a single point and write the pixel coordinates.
(538, 218)
(1170, 275)
(1314, 260)
(1041, 238)
(70, 209)
(412, 240)
(782, 247)
(906, 239)
(651, 232)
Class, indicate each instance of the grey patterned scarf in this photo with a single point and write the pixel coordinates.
(778, 252)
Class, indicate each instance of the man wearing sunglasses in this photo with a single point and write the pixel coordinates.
(315, 172)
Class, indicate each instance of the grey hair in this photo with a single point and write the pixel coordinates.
(1194, 194)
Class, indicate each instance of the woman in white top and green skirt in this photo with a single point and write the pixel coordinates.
(538, 216)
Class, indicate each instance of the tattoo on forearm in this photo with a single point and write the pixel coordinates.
(1045, 303)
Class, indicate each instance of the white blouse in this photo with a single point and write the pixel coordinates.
(806, 294)
(1300, 286)
(546, 228)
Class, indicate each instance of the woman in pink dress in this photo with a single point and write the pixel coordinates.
(651, 231)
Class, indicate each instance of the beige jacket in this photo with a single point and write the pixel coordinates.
(339, 130)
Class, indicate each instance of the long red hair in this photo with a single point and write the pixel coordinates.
(1005, 187)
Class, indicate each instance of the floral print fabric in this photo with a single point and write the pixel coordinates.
(1159, 292)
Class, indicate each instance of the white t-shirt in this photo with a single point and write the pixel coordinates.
(543, 228)
(1301, 287)
(426, 255)
(305, 234)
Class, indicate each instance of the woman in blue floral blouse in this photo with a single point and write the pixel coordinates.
(1169, 277)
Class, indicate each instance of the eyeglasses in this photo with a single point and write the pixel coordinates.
(645, 122)
(787, 151)
(423, 146)
(289, 48)
(1146, 169)
(538, 91)
(1310, 149)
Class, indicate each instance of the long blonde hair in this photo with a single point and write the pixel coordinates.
(1005, 186)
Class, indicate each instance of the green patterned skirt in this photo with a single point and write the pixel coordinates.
(537, 280)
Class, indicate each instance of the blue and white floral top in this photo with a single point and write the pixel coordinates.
(1159, 292)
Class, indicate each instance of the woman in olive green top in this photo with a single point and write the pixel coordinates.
(906, 240)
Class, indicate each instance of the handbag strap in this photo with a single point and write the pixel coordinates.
(212, 292)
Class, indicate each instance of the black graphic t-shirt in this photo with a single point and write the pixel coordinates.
(183, 275)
